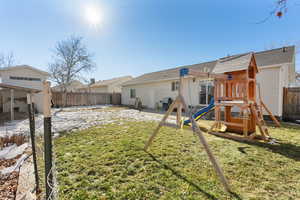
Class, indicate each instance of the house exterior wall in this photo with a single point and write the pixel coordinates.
(38, 98)
(271, 88)
(103, 89)
(115, 88)
(107, 89)
(272, 79)
(152, 93)
(5, 77)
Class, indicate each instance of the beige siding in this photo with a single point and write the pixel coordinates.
(23, 73)
(149, 93)
(114, 88)
(272, 81)
(103, 89)
(271, 89)
(152, 93)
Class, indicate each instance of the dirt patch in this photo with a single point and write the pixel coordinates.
(8, 185)
(9, 162)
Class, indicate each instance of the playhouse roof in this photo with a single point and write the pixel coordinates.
(233, 63)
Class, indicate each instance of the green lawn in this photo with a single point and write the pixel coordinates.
(108, 162)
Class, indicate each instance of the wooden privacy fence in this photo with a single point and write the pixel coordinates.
(291, 104)
(84, 99)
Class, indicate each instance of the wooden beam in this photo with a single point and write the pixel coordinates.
(257, 120)
(12, 105)
(179, 105)
(171, 108)
(196, 73)
(230, 123)
(211, 157)
(47, 99)
(271, 114)
(245, 122)
(233, 137)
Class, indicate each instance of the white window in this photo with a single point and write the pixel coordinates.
(206, 92)
(132, 93)
(24, 78)
(175, 86)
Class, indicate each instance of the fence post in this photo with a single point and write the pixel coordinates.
(47, 140)
(32, 137)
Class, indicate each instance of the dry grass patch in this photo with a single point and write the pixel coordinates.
(108, 162)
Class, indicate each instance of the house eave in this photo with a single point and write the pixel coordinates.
(16, 87)
(177, 78)
(161, 80)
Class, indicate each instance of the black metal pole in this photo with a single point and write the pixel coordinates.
(32, 136)
(48, 140)
(48, 156)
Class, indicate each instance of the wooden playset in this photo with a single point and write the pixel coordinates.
(238, 91)
(236, 105)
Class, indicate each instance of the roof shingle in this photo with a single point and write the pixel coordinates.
(263, 58)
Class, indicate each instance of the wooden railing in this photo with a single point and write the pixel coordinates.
(236, 90)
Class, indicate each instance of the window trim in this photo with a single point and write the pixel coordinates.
(131, 93)
(176, 86)
(22, 78)
(206, 82)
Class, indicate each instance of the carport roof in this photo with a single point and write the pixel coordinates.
(17, 87)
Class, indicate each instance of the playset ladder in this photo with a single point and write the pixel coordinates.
(260, 122)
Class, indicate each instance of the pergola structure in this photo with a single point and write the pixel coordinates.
(12, 88)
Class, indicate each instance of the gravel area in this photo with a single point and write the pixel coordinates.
(78, 118)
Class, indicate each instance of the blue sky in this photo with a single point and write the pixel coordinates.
(140, 36)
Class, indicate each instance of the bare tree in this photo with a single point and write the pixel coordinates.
(7, 60)
(71, 61)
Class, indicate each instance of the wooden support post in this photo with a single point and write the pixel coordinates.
(12, 105)
(245, 122)
(211, 157)
(271, 114)
(179, 107)
(171, 108)
(30, 105)
(48, 140)
(258, 120)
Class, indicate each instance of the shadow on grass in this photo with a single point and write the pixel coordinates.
(285, 149)
(176, 173)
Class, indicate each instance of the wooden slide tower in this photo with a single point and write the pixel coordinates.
(236, 102)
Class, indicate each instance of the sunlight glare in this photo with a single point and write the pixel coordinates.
(92, 15)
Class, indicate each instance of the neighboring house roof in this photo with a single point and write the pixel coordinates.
(233, 63)
(113, 81)
(263, 58)
(169, 74)
(20, 67)
(73, 85)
